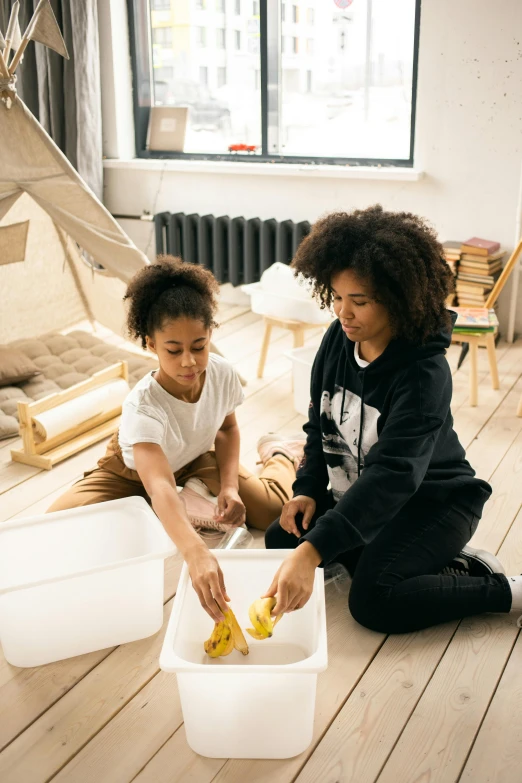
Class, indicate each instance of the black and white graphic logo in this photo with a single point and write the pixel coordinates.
(340, 439)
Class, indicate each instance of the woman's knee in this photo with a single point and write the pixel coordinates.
(277, 538)
(369, 607)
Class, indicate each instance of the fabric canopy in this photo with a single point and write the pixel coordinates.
(30, 162)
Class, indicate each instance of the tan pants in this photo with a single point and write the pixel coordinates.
(262, 495)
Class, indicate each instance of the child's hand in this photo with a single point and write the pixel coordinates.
(231, 508)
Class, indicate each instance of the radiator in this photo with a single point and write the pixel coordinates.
(236, 250)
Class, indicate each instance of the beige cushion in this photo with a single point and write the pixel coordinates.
(8, 426)
(15, 367)
(63, 360)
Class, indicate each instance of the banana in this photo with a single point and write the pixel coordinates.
(219, 641)
(226, 636)
(260, 617)
(240, 642)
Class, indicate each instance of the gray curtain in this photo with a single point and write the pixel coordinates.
(65, 94)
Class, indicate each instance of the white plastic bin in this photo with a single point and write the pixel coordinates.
(282, 305)
(80, 580)
(256, 706)
(283, 295)
(302, 361)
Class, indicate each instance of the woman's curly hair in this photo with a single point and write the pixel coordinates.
(166, 290)
(399, 256)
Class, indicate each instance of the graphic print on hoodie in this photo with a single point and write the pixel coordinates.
(340, 429)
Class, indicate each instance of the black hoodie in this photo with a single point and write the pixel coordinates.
(380, 435)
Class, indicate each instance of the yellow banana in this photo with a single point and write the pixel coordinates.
(260, 617)
(226, 636)
(219, 640)
(240, 642)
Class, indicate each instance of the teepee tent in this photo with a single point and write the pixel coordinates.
(48, 215)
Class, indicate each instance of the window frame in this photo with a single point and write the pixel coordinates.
(143, 90)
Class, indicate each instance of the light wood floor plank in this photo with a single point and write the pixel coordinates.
(436, 741)
(496, 755)
(63, 730)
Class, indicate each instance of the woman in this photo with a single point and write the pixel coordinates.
(173, 417)
(404, 501)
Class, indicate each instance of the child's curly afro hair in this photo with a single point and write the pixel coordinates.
(166, 290)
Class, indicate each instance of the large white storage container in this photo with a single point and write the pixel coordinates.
(302, 361)
(255, 706)
(80, 580)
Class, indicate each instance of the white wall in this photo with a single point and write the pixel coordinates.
(468, 144)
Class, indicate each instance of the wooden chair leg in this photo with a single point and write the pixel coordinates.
(473, 374)
(298, 338)
(519, 409)
(264, 350)
(492, 356)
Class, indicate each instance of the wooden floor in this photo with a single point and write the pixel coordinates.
(440, 706)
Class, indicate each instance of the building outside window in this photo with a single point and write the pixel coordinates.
(340, 76)
(162, 36)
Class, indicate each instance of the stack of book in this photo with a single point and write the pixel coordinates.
(479, 268)
(452, 254)
(474, 320)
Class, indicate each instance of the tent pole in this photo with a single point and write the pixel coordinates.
(76, 277)
(4, 71)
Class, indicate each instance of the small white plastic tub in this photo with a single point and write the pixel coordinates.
(302, 361)
(283, 305)
(256, 706)
(80, 580)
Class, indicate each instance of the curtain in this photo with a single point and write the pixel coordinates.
(64, 95)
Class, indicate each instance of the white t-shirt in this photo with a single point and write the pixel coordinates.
(360, 362)
(184, 430)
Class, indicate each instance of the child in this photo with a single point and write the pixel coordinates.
(403, 501)
(174, 416)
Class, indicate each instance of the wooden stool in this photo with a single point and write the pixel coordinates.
(475, 341)
(297, 327)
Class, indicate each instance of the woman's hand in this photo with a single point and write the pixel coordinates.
(301, 504)
(207, 581)
(231, 508)
(294, 580)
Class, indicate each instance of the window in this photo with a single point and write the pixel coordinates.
(221, 76)
(339, 83)
(162, 36)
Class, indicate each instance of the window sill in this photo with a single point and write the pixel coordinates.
(268, 169)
